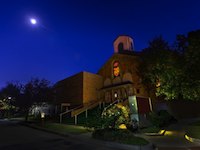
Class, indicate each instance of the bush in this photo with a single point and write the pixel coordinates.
(116, 115)
(111, 117)
(94, 120)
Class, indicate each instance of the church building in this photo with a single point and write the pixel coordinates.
(117, 79)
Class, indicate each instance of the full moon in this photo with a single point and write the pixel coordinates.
(33, 21)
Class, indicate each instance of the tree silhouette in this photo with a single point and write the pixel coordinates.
(160, 70)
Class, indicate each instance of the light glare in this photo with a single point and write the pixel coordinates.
(33, 21)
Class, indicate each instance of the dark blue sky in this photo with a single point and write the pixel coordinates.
(77, 35)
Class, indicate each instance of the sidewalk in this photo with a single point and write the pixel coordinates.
(174, 136)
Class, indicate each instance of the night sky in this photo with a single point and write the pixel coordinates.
(77, 35)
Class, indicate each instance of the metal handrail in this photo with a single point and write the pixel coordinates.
(116, 101)
(89, 106)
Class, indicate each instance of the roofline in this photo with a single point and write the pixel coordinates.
(121, 35)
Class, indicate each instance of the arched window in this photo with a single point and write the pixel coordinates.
(116, 69)
(120, 47)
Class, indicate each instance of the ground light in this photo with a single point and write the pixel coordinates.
(122, 126)
(189, 138)
(42, 115)
(169, 133)
(161, 131)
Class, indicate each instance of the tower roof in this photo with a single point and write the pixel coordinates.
(123, 43)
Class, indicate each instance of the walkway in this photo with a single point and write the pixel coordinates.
(174, 138)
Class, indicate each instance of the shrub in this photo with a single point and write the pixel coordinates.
(94, 120)
(116, 115)
(112, 117)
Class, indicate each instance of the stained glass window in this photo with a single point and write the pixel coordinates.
(116, 69)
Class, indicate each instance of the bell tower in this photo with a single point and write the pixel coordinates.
(123, 44)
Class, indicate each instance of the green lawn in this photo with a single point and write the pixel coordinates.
(193, 131)
(196, 123)
(63, 128)
(151, 129)
(119, 136)
(135, 141)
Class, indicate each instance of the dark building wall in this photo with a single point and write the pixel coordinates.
(70, 90)
(91, 85)
(78, 89)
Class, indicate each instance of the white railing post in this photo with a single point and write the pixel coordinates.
(103, 104)
(99, 105)
(86, 113)
(75, 119)
(150, 104)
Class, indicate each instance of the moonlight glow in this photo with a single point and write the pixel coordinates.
(33, 21)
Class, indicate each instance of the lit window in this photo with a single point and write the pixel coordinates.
(115, 95)
(116, 70)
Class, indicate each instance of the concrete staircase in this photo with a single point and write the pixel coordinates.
(80, 109)
(85, 107)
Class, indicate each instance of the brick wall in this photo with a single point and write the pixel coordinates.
(78, 89)
(91, 85)
(70, 90)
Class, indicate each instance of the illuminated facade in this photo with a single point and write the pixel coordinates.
(120, 73)
(117, 79)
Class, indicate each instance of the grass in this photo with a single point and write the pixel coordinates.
(194, 130)
(63, 128)
(119, 136)
(135, 141)
(196, 123)
(151, 129)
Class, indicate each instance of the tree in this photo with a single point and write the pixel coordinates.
(191, 69)
(181, 43)
(173, 73)
(160, 69)
(35, 91)
(9, 95)
(15, 95)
